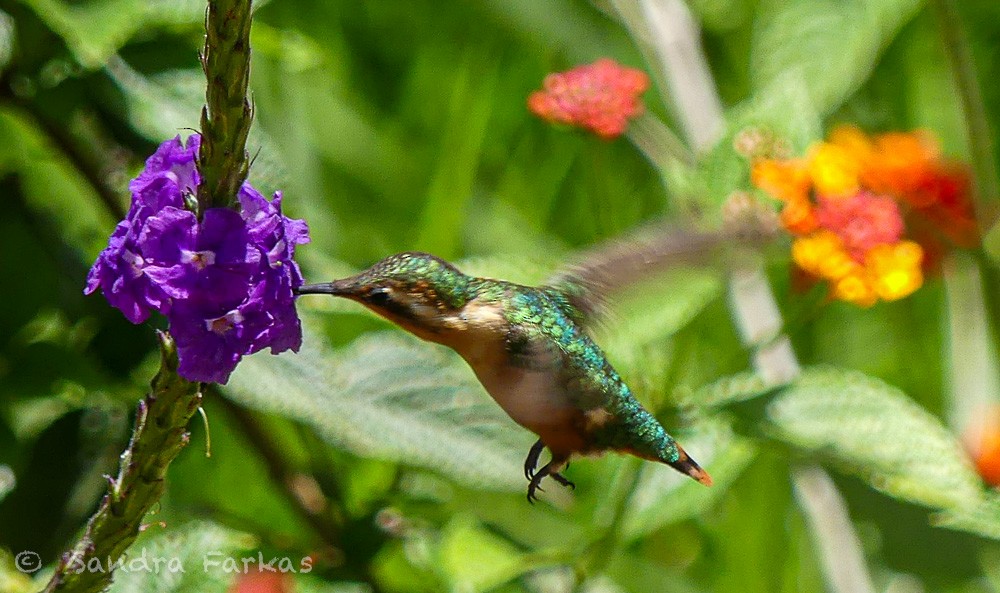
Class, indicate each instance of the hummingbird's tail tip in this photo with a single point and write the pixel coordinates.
(689, 467)
(700, 475)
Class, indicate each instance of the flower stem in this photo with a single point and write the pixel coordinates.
(956, 46)
(752, 304)
(657, 143)
(158, 436)
(225, 120)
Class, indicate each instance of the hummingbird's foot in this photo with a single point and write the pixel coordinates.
(558, 477)
(534, 484)
(531, 462)
(549, 469)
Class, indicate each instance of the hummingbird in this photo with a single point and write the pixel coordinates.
(529, 346)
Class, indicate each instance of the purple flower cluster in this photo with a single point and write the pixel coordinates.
(225, 283)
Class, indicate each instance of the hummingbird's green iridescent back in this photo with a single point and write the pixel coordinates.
(547, 324)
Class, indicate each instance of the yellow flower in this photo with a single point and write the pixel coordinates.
(839, 264)
(895, 269)
(834, 170)
(855, 289)
(813, 251)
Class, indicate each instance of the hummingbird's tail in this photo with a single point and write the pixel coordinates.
(687, 466)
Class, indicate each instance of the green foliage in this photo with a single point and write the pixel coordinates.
(401, 124)
(832, 45)
(152, 565)
(875, 430)
(391, 397)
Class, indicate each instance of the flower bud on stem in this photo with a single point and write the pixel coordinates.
(225, 119)
(158, 436)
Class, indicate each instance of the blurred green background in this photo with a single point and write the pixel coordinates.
(394, 125)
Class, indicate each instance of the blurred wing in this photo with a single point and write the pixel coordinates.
(600, 272)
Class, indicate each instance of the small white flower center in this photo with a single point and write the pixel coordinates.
(221, 325)
(135, 263)
(199, 259)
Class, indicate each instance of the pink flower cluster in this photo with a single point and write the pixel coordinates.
(601, 97)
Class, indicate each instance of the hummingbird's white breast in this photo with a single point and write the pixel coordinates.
(529, 393)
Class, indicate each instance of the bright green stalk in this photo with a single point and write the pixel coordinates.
(956, 46)
(158, 436)
(225, 119)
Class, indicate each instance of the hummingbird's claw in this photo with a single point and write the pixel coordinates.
(532, 487)
(558, 477)
(531, 462)
(549, 469)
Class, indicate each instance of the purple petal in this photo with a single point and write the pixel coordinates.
(175, 281)
(204, 355)
(224, 232)
(167, 234)
(172, 162)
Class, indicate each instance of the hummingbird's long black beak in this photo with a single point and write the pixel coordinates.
(335, 288)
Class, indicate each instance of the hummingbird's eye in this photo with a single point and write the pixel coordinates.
(380, 297)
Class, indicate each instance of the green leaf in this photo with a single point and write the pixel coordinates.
(52, 186)
(663, 496)
(635, 573)
(220, 481)
(473, 559)
(94, 30)
(832, 44)
(163, 106)
(729, 390)
(874, 430)
(212, 558)
(453, 181)
(783, 106)
(151, 565)
(392, 397)
(169, 103)
(530, 271)
(982, 518)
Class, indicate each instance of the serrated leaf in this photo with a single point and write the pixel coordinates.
(393, 397)
(982, 518)
(874, 430)
(832, 44)
(728, 390)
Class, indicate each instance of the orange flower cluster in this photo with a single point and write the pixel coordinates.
(601, 97)
(845, 203)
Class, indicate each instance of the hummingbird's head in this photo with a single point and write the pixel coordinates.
(417, 291)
